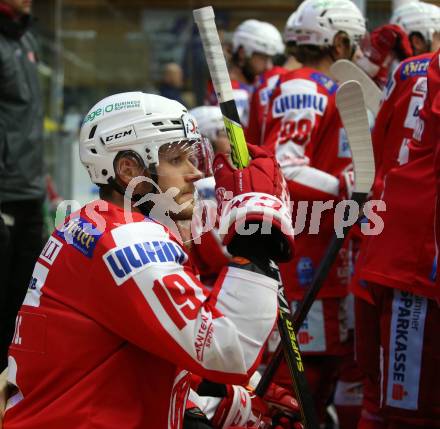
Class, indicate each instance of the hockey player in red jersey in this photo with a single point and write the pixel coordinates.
(304, 129)
(397, 346)
(410, 32)
(254, 43)
(395, 124)
(266, 83)
(115, 316)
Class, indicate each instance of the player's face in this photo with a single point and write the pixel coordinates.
(435, 44)
(418, 44)
(259, 63)
(22, 7)
(176, 170)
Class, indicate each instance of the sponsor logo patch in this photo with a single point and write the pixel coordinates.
(414, 68)
(120, 105)
(190, 127)
(119, 136)
(329, 84)
(204, 335)
(311, 336)
(305, 271)
(406, 347)
(124, 262)
(80, 234)
(51, 250)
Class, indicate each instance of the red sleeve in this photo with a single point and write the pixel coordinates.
(149, 295)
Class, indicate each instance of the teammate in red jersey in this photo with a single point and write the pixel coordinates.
(393, 130)
(304, 129)
(254, 43)
(399, 351)
(115, 316)
(410, 32)
(266, 83)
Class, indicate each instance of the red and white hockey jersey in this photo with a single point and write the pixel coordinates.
(113, 320)
(304, 129)
(403, 256)
(242, 96)
(259, 103)
(397, 118)
(393, 130)
(434, 130)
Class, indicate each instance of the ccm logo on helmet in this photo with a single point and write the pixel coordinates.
(120, 136)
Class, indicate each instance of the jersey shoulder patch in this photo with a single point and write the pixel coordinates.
(81, 234)
(414, 67)
(328, 83)
(139, 245)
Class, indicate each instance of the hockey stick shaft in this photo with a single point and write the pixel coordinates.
(205, 21)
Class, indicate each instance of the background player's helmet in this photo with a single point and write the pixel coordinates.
(209, 120)
(318, 21)
(289, 34)
(420, 17)
(257, 37)
(132, 121)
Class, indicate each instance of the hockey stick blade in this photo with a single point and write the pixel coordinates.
(345, 70)
(205, 20)
(351, 105)
(353, 112)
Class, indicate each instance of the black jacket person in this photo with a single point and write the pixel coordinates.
(21, 160)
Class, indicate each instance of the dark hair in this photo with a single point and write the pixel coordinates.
(291, 49)
(311, 54)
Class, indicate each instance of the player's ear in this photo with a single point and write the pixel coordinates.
(341, 46)
(127, 167)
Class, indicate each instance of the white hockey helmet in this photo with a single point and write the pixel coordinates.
(257, 37)
(420, 17)
(209, 120)
(132, 121)
(318, 21)
(289, 34)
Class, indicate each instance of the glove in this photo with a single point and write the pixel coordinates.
(386, 43)
(235, 409)
(278, 409)
(257, 198)
(282, 408)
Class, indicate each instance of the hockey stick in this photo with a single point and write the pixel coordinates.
(351, 106)
(205, 21)
(344, 70)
